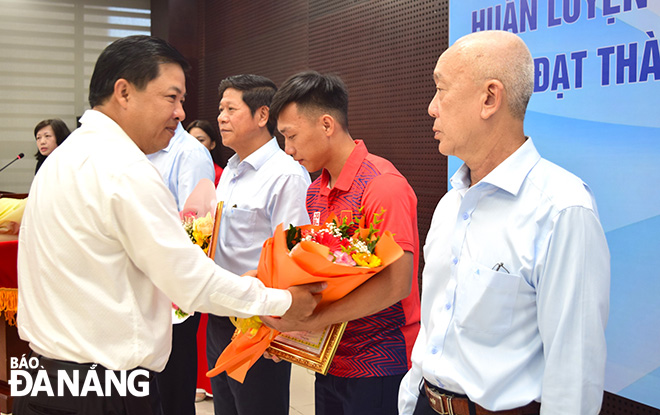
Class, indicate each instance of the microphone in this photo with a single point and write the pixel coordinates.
(20, 156)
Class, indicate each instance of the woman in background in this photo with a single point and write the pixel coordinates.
(205, 133)
(49, 134)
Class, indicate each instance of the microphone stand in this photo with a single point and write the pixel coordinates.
(8, 164)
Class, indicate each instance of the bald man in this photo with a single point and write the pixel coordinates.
(516, 282)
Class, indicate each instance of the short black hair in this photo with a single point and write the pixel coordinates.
(136, 59)
(312, 90)
(59, 128)
(257, 92)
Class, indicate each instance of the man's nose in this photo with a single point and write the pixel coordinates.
(433, 109)
(288, 149)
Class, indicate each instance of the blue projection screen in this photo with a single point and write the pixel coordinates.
(596, 112)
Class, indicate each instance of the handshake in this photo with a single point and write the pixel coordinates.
(300, 315)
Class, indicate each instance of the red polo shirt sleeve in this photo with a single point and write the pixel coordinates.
(394, 194)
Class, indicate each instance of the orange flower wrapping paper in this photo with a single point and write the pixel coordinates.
(307, 263)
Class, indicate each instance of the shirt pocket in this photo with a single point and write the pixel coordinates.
(241, 227)
(485, 300)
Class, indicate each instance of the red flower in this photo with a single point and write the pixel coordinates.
(333, 242)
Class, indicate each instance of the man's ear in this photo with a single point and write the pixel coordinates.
(493, 98)
(328, 124)
(122, 91)
(262, 113)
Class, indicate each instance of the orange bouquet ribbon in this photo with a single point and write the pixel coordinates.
(306, 263)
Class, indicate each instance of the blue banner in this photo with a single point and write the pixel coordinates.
(596, 112)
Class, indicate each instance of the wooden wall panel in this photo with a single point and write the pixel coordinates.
(384, 50)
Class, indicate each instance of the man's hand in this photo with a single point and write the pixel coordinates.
(272, 357)
(304, 299)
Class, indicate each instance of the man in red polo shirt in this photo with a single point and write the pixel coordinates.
(383, 313)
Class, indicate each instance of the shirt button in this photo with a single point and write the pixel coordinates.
(448, 306)
(434, 351)
(454, 260)
(465, 216)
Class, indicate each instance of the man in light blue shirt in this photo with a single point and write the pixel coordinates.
(182, 164)
(515, 293)
(261, 187)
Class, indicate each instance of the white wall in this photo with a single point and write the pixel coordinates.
(47, 55)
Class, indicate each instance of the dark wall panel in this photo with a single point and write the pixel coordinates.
(385, 51)
(265, 38)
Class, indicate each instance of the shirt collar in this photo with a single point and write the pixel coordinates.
(178, 133)
(177, 137)
(258, 158)
(348, 172)
(508, 175)
(99, 121)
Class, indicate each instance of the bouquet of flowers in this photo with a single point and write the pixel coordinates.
(356, 250)
(307, 254)
(199, 229)
(200, 219)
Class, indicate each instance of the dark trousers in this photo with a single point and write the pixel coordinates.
(357, 396)
(178, 381)
(42, 404)
(266, 386)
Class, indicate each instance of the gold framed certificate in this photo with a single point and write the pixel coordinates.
(213, 243)
(311, 350)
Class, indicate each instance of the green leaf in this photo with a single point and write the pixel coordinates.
(293, 236)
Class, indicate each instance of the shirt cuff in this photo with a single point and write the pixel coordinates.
(280, 299)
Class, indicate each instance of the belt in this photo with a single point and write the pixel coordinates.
(448, 403)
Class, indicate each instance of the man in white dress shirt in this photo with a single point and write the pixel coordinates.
(515, 291)
(261, 187)
(102, 252)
